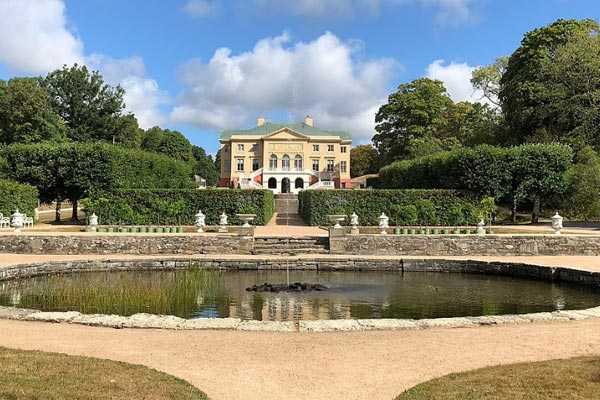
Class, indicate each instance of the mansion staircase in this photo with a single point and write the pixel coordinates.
(286, 210)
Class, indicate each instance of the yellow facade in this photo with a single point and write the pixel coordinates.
(285, 157)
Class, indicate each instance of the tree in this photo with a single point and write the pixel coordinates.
(25, 113)
(176, 146)
(487, 79)
(89, 107)
(127, 132)
(583, 180)
(417, 110)
(574, 85)
(205, 166)
(362, 160)
(524, 90)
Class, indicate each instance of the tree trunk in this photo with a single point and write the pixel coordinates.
(57, 212)
(513, 214)
(535, 215)
(74, 216)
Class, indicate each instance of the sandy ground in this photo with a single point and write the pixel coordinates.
(349, 365)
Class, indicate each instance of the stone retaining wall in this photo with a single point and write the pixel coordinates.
(466, 245)
(125, 244)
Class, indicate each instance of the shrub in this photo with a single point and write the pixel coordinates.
(179, 207)
(316, 205)
(14, 195)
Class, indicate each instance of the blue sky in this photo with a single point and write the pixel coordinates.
(204, 65)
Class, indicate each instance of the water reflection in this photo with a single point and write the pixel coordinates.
(220, 294)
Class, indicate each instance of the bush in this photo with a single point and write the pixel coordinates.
(14, 195)
(316, 205)
(179, 207)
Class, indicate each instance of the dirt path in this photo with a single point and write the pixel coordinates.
(351, 365)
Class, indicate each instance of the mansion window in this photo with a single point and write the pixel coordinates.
(298, 162)
(273, 162)
(343, 149)
(240, 147)
(329, 165)
(315, 147)
(342, 166)
(226, 149)
(240, 164)
(254, 164)
(285, 163)
(315, 164)
(329, 147)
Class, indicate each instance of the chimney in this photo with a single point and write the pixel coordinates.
(261, 121)
(309, 120)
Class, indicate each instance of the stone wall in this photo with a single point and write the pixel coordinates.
(466, 245)
(125, 244)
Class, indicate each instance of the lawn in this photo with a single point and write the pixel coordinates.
(573, 378)
(38, 375)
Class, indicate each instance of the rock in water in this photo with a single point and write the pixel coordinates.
(294, 287)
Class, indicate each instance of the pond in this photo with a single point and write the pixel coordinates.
(198, 293)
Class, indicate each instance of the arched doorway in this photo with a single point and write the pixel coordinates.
(285, 185)
(299, 183)
(272, 183)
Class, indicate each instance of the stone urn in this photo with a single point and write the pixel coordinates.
(246, 219)
(17, 220)
(557, 223)
(336, 219)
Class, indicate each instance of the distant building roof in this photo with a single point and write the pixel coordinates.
(269, 127)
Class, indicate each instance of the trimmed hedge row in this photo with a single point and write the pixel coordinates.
(14, 195)
(179, 207)
(433, 207)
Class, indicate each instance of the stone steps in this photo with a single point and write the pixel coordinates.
(291, 246)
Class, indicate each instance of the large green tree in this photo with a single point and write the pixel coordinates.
(204, 166)
(170, 143)
(89, 107)
(416, 111)
(526, 92)
(25, 113)
(363, 160)
(487, 79)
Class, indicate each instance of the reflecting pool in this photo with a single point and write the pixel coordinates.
(198, 293)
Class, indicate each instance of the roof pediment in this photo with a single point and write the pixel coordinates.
(285, 134)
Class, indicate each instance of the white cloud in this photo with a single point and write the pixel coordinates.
(34, 38)
(322, 78)
(457, 80)
(447, 12)
(200, 8)
(143, 96)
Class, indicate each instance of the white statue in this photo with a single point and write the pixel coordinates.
(480, 227)
(200, 221)
(354, 223)
(94, 222)
(384, 223)
(557, 225)
(223, 223)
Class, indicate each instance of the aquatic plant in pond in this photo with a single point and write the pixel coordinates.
(124, 293)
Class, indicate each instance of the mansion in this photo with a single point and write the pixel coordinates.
(285, 157)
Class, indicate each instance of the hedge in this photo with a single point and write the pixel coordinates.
(14, 195)
(179, 207)
(450, 207)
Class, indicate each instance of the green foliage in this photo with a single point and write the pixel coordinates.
(14, 195)
(404, 215)
(170, 143)
(487, 79)
(316, 205)
(25, 113)
(583, 179)
(179, 207)
(90, 108)
(204, 166)
(363, 160)
(73, 170)
(528, 171)
(526, 89)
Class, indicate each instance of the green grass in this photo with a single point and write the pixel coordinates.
(573, 378)
(38, 375)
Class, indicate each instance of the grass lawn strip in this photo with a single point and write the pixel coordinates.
(41, 375)
(572, 378)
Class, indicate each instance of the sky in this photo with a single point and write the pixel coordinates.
(199, 66)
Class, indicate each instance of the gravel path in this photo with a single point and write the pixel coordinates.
(349, 365)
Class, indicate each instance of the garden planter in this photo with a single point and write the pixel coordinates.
(133, 230)
(143, 229)
(456, 231)
(180, 229)
(101, 230)
(426, 231)
(435, 231)
(421, 231)
(404, 231)
(159, 230)
(396, 231)
(467, 231)
(445, 231)
(87, 230)
(490, 232)
(411, 231)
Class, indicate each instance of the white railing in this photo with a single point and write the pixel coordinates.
(251, 184)
(256, 173)
(322, 185)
